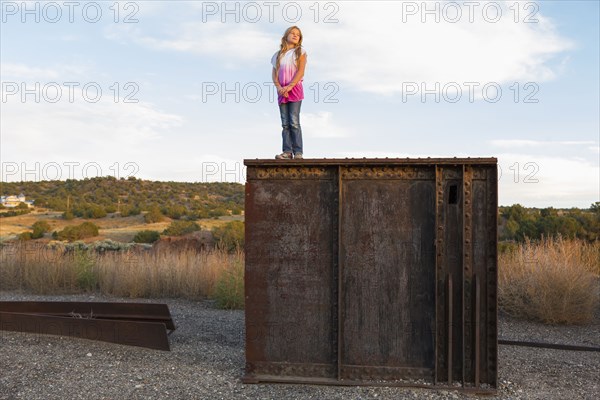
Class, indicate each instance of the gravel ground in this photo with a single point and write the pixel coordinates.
(207, 361)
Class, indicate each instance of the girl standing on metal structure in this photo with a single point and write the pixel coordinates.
(288, 72)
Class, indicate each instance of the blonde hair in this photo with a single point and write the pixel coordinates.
(283, 47)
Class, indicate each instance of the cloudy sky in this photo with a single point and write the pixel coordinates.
(180, 90)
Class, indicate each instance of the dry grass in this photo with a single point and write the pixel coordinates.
(554, 281)
(132, 273)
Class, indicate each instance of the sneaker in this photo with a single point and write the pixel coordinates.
(284, 156)
(298, 156)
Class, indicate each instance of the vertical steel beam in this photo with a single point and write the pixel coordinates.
(467, 272)
(477, 329)
(440, 275)
(340, 310)
(492, 275)
(449, 312)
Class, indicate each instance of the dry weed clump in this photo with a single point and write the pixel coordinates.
(554, 281)
(134, 272)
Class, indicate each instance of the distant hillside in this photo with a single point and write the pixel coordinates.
(94, 197)
(97, 197)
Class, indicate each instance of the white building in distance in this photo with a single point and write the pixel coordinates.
(13, 201)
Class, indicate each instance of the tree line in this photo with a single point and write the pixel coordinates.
(99, 196)
(516, 223)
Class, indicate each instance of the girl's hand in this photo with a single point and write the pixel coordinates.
(286, 90)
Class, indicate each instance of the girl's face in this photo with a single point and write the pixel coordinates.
(293, 37)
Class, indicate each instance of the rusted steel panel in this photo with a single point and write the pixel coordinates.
(132, 333)
(291, 231)
(142, 312)
(371, 271)
(388, 231)
(452, 238)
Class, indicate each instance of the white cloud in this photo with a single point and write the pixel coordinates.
(542, 181)
(235, 47)
(204, 168)
(321, 125)
(371, 50)
(17, 71)
(56, 73)
(81, 131)
(539, 143)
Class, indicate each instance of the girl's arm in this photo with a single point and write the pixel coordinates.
(299, 73)
(280, 90)
(275, 79)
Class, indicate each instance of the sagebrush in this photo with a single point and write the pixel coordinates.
(553, 280)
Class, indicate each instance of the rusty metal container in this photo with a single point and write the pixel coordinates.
(372, 272)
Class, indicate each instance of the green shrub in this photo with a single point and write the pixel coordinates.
(89, 210)
(95, 212)
(39, 228)
(179, 228)
(126, 211)
(230, 236)
(153, 215)
(84, 264)
(236, 211)
(146, 236)
(229, 290)
(22, 206)
(218, 212)
(176, 211)
(14, 213)
(25, 236)
(76, 232)
(200, 213)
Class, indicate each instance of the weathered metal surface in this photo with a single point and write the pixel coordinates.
(133, 324)
(290, 320)
(387, 235)
(372, 270)
(142, 312)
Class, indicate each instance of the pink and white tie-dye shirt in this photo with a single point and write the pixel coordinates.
(287, 70)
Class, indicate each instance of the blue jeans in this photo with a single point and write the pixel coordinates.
(290, 121)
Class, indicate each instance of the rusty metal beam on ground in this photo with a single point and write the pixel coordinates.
(142, 312)
(133, 324)
(544, 345)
